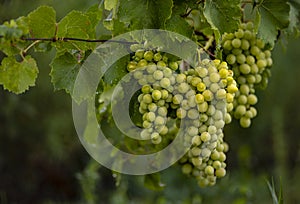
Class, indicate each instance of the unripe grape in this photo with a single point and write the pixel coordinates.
(237, 51)
(221, 172)
(203, 118)
(240, 110)
(201, 87)
(221, 94)
(193, 114)
(146, 89)
(214, 77)
(131, 66)
(197, 161)
(239, 33)
(158, 75)
(199, 98)
(261, 63)
(152, 107)
(147, 98)
(245, 122)
(156, 95)
(157, 57)
(242, 99)
(147, 124)
(195, 81)
(161, 64)
(245, 44)
(254, 50)
(227, 45)
(196, 140)
(205, 136)
(209, 170)
(202, 72)
(142, 63)
(187, 168)
(195, 151)
(180, 113)
(148, 55)
(252, 99)
(236, 43)
(250, 60)
(208, 95)
(180, 78)
(183, 87)
(150, 116)
(241, 59)
(155, 138)
(165, 83)
(173, 65)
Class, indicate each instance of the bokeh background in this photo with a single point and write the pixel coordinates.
(42, 160)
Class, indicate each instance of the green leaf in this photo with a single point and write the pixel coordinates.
(177, 23)
(294, 26)
(75, 25)
(42, 22)
(17, 77)
(141, 14)
(223, 16)
(153, 182)
(115, 73)
(64, 70)
(274, 15)
(110, 4)
(95, 14)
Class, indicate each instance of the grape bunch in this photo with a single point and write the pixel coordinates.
(198, 96)
(250, 60)
(205, 105)
(155, 73)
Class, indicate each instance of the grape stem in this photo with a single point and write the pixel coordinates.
(30, 46)
(67, 39)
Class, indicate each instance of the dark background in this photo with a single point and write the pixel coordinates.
(42, 160)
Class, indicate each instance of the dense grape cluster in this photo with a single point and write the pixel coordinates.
(250, 59)
(199, 96)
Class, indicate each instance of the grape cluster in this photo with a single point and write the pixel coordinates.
(250, 60)
(205, 105)
(199, 96)
(155, 73)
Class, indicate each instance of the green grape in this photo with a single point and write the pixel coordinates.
(221, 172)
(157, 57)
(231, 59)
(241, 58)
(187, 168)
(236, 43)
(245, 122)
(156, 95)
(165, 83)
(239, 33)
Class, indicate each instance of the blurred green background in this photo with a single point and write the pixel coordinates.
(42, 160)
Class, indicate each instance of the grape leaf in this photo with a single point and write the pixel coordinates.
(95, 14)
(178, 24)
(64, 70)
(110, 4)
(115, 73)
(141, 14)
(294, 26)
(153, 182)
(42, 22)
(75, 25)
(274, 15)
(17, 77)
(223, 16)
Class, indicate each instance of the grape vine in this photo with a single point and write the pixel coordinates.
(237, 36)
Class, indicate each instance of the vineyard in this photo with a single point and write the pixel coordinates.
(164, 101)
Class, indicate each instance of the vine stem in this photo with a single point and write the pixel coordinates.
(66, 39)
